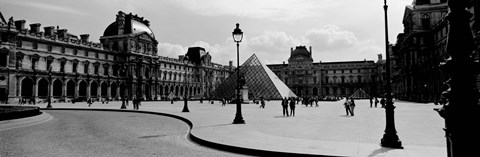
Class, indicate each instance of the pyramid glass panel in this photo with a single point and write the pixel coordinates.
(360, 94)
(259, 79)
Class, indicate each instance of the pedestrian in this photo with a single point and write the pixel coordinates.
(316, 101)
(376, 102)
(371, 102)
(20, 101)
(352, 106)
(292, 107)
(201, 100)
(139, 103)
(89, 102)
(224, 101)
(285, 106)
(382, 102)
(346, 104)
(262, 102)
(134, 102)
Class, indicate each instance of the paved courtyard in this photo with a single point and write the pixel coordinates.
(324, 130)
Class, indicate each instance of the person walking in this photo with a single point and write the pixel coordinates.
(371, 102)
(352, 106)
(224, 101)
(376, 102)
(139, 103)
(262, 102)
(346, 104)
(292, 107)
(89, 102)
(285, 106)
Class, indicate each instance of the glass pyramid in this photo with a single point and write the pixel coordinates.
(360, 94)
(259, 79)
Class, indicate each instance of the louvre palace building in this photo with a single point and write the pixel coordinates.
(38, 63)
(307, 78)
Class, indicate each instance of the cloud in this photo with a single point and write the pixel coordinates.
(283, 10)
(331, 38)
(272, 41)
(48, 6)
(170, 50)
(273, 47)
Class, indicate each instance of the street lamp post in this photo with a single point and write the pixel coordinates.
(49, 99)
(237, 37)
(390, 138)
(461, 112)
(185, 103)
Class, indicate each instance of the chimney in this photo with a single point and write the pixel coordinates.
(34, 28)
(230, 64)
(49, 30)
(20, 24)
(62, 33)
(84, 37)
(380, 57)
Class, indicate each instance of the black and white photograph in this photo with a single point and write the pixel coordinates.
(228, 78)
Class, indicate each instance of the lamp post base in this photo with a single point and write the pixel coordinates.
(238, 120)
(391, 141)
(185, 107)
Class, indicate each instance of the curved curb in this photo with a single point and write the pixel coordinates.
(23, 122)
(203, 142)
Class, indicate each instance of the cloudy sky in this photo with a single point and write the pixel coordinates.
(337, 30)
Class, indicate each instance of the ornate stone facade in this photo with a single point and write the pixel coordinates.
(421, 48)
(36, 64)
(326, 79)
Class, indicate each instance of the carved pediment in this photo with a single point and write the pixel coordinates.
(145, 36)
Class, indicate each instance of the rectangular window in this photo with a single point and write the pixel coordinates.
(95, 70)
(74, 51)
(96, 54)
(63, 50)
(62, 67)
(49, 64)
(3, 60)
(35, 45)
(85, 68)
(74, 68)
(105, 70)
(34, 63)
(49, 48)
(115, 69)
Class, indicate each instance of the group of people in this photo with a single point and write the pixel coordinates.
(349, 106)
(23, 101)
(375, 99)
(136, 102)
(285, 103)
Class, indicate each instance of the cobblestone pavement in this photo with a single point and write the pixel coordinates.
(322, 130)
